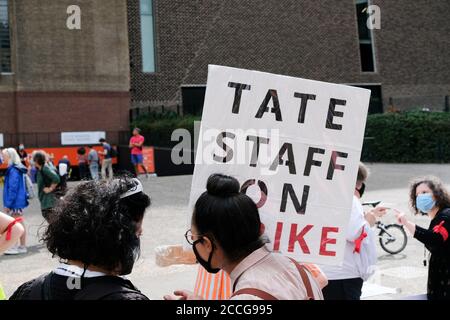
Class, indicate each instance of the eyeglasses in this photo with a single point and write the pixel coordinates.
(188, 235)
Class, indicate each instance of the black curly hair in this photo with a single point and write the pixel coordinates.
(92, 224)
(440, 193)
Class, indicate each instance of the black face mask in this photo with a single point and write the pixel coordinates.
(128, 263)
(203, 263)
(361, 190)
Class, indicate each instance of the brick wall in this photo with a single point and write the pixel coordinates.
(305, 38)
(66, 80)
(50, 57)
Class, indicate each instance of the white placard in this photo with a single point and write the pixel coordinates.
(310, 140)
(1, 140)
(81, 137)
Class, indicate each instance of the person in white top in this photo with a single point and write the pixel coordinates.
(226, 233)
(345, 282)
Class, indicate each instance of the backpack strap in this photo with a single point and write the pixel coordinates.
(303, 274)
(266, 296)
(254, 292)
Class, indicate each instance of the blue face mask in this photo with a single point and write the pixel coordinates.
(425, 202)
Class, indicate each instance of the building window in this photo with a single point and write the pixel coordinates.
(376, 101)
(147, 36)
(366, 47)
(193, 98)
(5, 39)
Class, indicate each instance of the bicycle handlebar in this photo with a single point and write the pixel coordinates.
(371, 203)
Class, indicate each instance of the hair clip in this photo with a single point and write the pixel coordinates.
(135, 189)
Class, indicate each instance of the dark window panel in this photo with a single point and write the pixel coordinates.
(366, 57)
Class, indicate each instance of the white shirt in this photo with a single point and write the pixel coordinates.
(272, 273)
(70, 270)
(355, 265)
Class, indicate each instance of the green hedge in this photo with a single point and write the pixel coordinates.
(417, 137)
(157, 128)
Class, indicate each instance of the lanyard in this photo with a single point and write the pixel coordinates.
(75, 271)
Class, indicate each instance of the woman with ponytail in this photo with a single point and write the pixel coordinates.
(227, 234)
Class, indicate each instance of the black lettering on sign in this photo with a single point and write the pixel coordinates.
(224, 146)
(262, 187)
(305, 97)
(271, 95)
(310, 160)
(255, 151)
(290, 162)
(238, 94)
(289, 190)
(333, 113)
(333, 166)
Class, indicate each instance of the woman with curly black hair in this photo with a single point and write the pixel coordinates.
(429, 197)
(95, 233)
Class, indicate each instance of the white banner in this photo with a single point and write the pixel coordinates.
(81, 137)
(294, 145)
(1, 140)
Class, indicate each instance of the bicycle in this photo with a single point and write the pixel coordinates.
(392, 237)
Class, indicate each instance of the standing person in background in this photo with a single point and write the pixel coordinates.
(51, 161)
(15, 194)
(23, 155)
(93, 161)
(63, 171)
(107, 159)
(429, 197)
(82, 163)
(32, 169)
(136, 146)
(360, 256)
(47, 181)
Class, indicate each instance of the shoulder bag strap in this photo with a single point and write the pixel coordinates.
(254, 292)
(302, 270)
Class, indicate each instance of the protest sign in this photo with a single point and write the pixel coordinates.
(294, 145)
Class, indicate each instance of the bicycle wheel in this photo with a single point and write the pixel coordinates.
(394, 239)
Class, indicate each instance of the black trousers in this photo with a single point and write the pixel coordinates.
(345, 289)
(84, 171)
